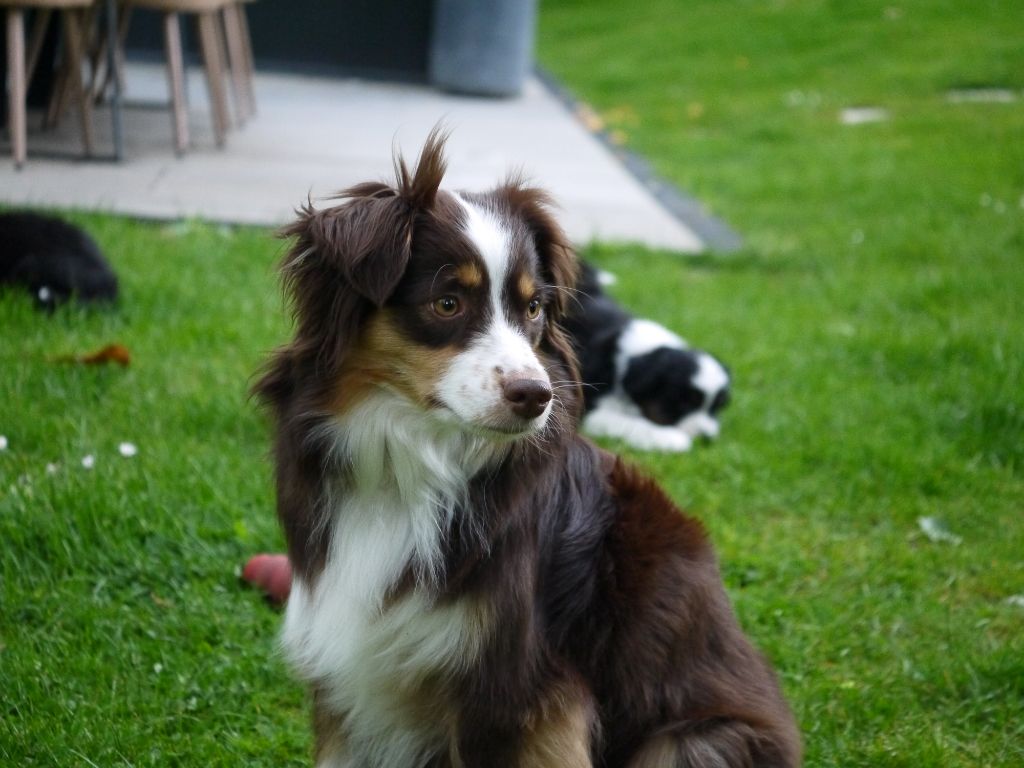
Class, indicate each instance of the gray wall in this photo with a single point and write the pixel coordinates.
(381, 39)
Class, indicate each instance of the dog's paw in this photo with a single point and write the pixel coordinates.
(668, 439)
(636, 431)
(700, 425)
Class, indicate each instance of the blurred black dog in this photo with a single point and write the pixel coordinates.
(54, 260)
(642, 383)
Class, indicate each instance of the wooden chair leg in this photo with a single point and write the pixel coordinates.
(176, 81)
(73, 52)
(91, 42)
(250, 64)
(16, 73)
(100, 85)
(61, 89)
(125, 19)
(123, 23)
(99, 75)
(236, 61)
(58, 100)
(210, 37)
(35, 45)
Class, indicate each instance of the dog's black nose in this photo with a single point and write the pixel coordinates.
(528, 397)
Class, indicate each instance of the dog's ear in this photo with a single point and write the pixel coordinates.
(557, 258)
(559, 268)
(347, 259)
(366, 241)
(368, 238)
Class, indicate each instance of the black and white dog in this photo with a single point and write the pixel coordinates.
(643, 384)
(54, 260)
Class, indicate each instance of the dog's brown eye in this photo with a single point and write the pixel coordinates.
(533, 309)
(447, 306)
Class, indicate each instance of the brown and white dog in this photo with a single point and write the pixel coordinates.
(475, 584)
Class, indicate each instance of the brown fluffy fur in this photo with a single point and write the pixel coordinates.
(606, 638)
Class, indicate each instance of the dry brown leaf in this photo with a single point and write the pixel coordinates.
(112, 353)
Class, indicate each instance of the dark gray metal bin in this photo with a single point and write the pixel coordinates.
(482, 47)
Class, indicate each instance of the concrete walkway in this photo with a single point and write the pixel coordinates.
(315, 136)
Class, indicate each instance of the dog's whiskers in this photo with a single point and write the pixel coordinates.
(573, 293)
(437, 274)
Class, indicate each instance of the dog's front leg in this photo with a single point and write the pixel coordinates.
(330, 749)
(728, 744)
(558, 732)
(608, 420)
(561, 731)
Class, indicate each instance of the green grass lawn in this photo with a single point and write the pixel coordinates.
(125, 638)
(874, 326)
(872, 323)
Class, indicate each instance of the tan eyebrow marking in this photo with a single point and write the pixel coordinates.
(527, 287)
(469, 275)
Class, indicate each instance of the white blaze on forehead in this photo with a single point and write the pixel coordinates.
(493, 242)
(711, 377)
(472, 387)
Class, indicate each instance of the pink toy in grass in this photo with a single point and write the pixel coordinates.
(270, 573)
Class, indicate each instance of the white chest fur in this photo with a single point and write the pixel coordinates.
(372, 657)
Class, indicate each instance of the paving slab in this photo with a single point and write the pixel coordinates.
(314, 136)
